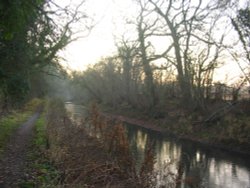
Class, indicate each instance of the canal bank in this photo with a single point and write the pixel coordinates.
(207, 166)
(191, 137)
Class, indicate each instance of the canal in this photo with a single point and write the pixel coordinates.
(200, 166)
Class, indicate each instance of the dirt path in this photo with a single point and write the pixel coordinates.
(13, 162)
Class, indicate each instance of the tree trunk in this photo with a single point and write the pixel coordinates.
(150, 88)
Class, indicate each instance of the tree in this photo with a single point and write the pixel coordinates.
(100, 81)
(15, 17)
(194, 49)
(127, 53)
(241, 24)
(145, 29)
(30, 39)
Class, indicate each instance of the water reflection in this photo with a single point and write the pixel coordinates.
(77, 113)
(196, 166)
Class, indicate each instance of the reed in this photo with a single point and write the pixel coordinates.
(99, 157)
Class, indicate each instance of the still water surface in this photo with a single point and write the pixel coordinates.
(201, 166)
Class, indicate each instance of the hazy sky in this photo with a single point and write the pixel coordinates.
(109, 16)
(100, 41)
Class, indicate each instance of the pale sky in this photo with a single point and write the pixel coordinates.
(100, 43)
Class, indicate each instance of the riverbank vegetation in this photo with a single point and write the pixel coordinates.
(166, 73)
(98, 158)
(93, 153)
(177, 87)
(30, 41)
(230, 131)
(177, 83)
(221, 122)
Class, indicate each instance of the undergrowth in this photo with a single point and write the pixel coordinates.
(66, 155)
(99, 157)
(40, 172)
(10, 122)
(8, 125)
(114, 138)
(230, 131)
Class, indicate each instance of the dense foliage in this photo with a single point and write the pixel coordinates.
(30, 39)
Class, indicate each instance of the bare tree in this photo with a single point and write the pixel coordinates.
(194, 50)
(146, 27)
(241, 25)
(142, 29)
(126, 53)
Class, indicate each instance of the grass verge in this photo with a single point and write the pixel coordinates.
(9, 124)
(39, 171)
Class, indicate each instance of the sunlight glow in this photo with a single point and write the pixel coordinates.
(100, 42)
(109, 17)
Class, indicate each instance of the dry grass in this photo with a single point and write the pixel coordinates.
(99, 157)
(82, 159)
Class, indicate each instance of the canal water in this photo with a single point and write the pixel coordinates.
(199, 166)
